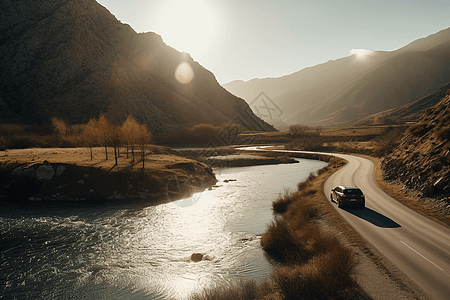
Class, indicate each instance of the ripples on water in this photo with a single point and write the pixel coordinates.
(131, 251)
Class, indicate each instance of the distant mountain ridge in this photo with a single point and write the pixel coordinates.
(74, 60)
(410, 112)
(349, 89)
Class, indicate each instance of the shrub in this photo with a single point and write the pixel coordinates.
(3, 143)
(322, 170)
(387, 143)
(335, 161)
(19, 136)
(24, 141)
(326, 276)
(281, 204)
(307, 182)
(278, 240)
(298, 130)
(292, 238)
(240, 291)
(310, 143)
(205, 132)
(11, 129)
(418, 129)
(60, 127)
(443, 133)
(200, 134)
(302, 209)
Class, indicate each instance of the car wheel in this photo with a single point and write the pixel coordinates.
(339, 203)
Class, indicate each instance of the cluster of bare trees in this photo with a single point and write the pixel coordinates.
(102, 133)
(300, 130)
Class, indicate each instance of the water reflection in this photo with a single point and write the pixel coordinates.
(129, 251)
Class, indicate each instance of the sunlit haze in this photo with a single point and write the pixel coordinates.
(361, 53)
(255, 39)
(189, 26)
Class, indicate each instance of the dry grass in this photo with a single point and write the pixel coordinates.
(18, 136)
(281, 204)
(370, 140)
(248, 290)
(375, 130)
(326, 276)
(157, 157)
(318, 264)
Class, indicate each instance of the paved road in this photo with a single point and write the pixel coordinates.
(418, 246)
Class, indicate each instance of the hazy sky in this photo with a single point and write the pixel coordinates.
(246, 39)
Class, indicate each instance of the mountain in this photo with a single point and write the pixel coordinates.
(406, 113)
(74, 60)
(422, 159)
(345, 90)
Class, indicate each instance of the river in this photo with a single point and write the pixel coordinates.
(134, 251)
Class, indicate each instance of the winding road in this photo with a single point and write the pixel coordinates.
(417, 245)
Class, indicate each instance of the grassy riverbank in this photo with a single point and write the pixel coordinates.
(315, 263)
(72, 175)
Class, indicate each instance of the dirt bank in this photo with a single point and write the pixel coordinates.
(70, 174)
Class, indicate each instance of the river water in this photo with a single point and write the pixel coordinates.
(134, 251)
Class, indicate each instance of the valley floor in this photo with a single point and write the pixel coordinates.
(167, 174)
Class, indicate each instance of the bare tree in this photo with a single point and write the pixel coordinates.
(318, 130)
(298, 130)
(105, 129)
(116, 141)
(92, 135)
(144, 138)
(60, 127)
(129, 134)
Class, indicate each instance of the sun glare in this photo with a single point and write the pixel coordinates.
(361, 53)
(188, 26)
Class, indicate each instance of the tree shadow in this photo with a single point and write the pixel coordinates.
(373, 217)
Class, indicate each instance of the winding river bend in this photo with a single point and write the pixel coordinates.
(134, 251)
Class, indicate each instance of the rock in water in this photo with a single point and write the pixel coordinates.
(196, 257)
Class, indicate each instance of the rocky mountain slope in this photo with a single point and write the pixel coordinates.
(346, 90)
(422, 160)
(73, 59)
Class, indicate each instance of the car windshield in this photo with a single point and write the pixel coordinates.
(353, 191)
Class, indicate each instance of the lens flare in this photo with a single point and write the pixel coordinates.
(184, 73)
